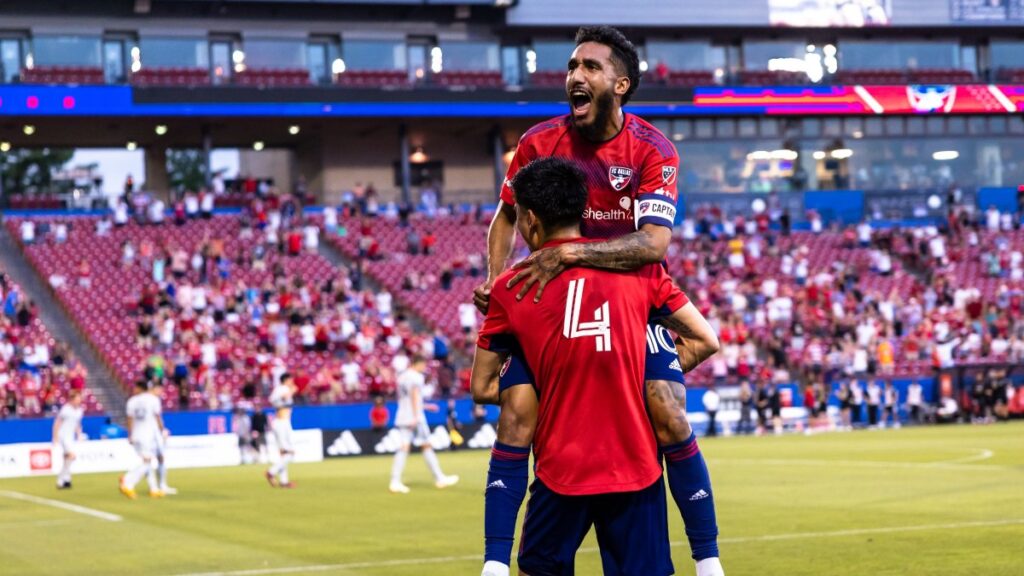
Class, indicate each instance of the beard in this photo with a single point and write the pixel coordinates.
(604, 107)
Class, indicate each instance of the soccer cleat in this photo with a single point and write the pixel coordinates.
(710, 567)
(271, 479)
(447, 481)
(128, 492)
(287, 485)
(64, 485)
(398, 488)
(168, 490)
(156, 494)
(495, 568)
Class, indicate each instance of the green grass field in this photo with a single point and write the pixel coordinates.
(944, 501)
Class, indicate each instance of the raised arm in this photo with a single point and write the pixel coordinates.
(501, 237)
(648, 245)
(696, 340)
(484, 381)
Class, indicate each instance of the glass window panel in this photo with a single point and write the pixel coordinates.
(871, 54)
(769, 127)
(10, 59)
(174, 52)
(1017, 126)
(956, 125)
(874, 127)
(726, 128)
(811, 127)
(317, 61)
(681, 129)
(997, 125)
(833, 127)
(553, 56)
(113, 61)
(374, 54)
(66, 50)
(734, 166)
(757, 54)
(275, 53)
(685, 55)
(470, 56)
(894, 126)
(935, 125)
(976, 125)
(705, 128)
(915, 126)
(511, 65)
(1006, 54)
(747, 127)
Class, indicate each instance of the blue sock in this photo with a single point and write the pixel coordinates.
(690, 484)
(507, 477)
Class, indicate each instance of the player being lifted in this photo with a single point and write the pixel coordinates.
(67, 429)
(281, 398)
(411, 421)
(597, 459)
(145, 425)
(630, 170)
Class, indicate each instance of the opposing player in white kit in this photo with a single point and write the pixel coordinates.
(161, 446)
(281, 398)
(411, 421)
(67, 428)
(145, 424)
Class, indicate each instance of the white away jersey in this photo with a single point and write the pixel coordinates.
(70, 419)
(281, 397)
(143, 409)
(408, 381)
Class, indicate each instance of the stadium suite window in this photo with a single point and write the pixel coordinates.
(756, 55)
(374, 54)
(66, 50)
(274, 53)
(685, 55)
(552, 56)
(470, 56)
(875, 54)
(1006, 54)
(174, 52)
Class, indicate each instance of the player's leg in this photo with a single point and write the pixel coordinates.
(687, 473)
(509, 470)
(554, 528)
(632, 532)
(64, 478)
(286, 458)
(398, 465)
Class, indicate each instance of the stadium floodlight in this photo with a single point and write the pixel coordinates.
(819, 155)
(934, 202)
(131, 146)
(418, 156)
(436, 59)
(5, 146)
(293, 129)
(842, 153)
(338, 66)
(29, 129)
(531, 61)
(759, 155)
(644, 66)
(257, 145)
(160, 129)
(785, 154)
(943, 155)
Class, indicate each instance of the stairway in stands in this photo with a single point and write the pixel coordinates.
(100, 379)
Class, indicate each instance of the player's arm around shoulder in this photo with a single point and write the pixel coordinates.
(490, 352)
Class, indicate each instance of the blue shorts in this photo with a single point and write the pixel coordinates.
(661, 362)
(632, 531)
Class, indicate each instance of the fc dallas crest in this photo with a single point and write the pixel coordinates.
(619, 177)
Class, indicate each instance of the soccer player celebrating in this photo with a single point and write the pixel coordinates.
(281, 398)
(597, 458)
(145, 424)
(630, 171)
(411, 421)
(67, 428)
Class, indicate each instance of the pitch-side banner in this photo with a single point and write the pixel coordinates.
(353, 442)
(30, 459)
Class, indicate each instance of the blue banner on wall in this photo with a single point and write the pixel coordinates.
(845, 206)
(1004, 199)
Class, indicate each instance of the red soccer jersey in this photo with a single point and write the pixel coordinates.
(585, 343)
(631, 179)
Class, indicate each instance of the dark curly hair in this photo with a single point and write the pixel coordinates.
(554, 188)
(623, 53)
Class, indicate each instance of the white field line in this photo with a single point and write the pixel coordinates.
(954, 464)
(589, 550)
(62, 505)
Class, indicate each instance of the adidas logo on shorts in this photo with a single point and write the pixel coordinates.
(497, 484)
(699, 495)
(675, 365)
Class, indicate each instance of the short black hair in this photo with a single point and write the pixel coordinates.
(554, 188)
(285, 377)
(623, 51)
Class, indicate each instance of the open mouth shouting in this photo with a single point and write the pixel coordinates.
(581, 101)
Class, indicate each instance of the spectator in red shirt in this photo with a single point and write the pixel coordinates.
(379, 415)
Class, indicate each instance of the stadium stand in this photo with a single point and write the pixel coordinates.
(62, 75)
(373, 79)
(36, 371)
(171, 76)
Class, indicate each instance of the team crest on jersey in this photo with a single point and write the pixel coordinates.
(668, 175)
(619, 177)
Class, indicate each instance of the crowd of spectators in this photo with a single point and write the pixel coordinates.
(36, 373)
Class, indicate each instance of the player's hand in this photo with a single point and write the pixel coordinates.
(538, 268)
(482, 296)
